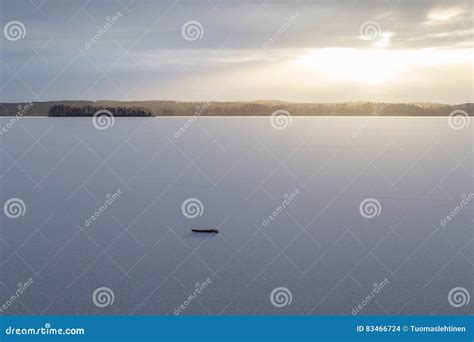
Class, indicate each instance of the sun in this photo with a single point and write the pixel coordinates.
(349, 65)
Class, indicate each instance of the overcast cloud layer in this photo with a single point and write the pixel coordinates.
(285, 50)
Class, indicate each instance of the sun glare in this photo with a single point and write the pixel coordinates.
(373, 66)
(361, 66)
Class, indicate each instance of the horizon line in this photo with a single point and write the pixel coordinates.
(245, 101)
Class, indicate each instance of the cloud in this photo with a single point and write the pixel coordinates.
(446, 13)
(146, 46)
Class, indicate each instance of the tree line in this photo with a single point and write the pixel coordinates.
(65, 110)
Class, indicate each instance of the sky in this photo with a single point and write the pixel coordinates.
(230, 50)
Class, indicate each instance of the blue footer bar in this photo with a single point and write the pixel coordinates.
(237, 328)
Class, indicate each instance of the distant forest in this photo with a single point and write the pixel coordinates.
(254, 108)
(65, 110)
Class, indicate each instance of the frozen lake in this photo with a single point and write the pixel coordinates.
(104, 208)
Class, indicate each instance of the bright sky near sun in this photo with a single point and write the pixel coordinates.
(308, 51)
